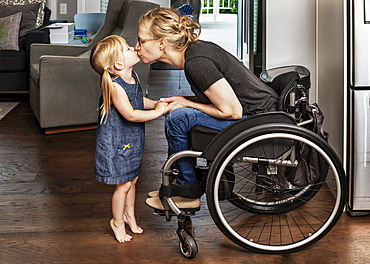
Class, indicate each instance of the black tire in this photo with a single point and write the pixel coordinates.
(269, 215)
(189, 248)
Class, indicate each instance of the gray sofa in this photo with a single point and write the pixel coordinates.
(64, 89)
(14, 64)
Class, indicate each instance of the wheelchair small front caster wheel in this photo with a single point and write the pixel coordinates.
(189, 248)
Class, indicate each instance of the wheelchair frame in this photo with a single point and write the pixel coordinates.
(271, 195)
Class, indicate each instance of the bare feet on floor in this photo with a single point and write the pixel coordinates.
(131, 221)
(119, 230)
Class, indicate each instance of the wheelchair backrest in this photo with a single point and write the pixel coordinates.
(283, 85)
(269, 75)
(284, 80)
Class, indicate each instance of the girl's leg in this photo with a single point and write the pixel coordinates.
(129, 212)
(118, 206)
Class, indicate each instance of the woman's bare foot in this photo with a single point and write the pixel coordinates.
(131, 221)
(119, 231)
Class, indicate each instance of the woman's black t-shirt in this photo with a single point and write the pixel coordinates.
(206, 63)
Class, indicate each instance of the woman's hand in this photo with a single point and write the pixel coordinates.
(161, 107)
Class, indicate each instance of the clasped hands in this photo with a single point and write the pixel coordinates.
(171, 103)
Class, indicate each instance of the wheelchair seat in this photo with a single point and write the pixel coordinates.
(201, 137)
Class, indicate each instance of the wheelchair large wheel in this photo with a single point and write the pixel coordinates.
(256, 206)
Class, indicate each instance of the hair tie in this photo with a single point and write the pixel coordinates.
(105, 68)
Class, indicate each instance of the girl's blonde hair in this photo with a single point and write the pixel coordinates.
(166, 23)
(102, 57)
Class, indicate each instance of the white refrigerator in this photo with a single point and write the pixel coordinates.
(359, 107)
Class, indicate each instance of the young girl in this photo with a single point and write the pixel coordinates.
(120, 131)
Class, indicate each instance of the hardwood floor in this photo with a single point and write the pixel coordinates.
(52, 210)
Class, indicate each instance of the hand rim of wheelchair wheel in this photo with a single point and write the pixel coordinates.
(294, 245)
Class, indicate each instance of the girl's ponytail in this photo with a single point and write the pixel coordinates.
(102, 57)
(106, 85)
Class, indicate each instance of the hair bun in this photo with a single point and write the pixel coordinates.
(179, 31)
(184, 22)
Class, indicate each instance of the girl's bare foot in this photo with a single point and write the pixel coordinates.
(131, 221)
(120, 231)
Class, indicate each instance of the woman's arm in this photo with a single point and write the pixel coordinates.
(123, 105)
(224, 105)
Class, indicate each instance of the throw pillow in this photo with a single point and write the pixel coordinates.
(40, 16)
(29, 15)
(9, 32)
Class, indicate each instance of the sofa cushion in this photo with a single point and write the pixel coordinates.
(29, 15)
(12, 61)
(9, 32)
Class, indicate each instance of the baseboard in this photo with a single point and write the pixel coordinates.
(49, 131)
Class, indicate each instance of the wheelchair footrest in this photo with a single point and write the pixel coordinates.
(184, 204)
(190, 190)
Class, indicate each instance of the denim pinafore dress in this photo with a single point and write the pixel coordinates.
(120, 143)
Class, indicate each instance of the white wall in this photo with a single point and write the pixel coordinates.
(311, 33)
(330, 69)
(291, 35)
(52, 5)
(88, 6)
(83, 6)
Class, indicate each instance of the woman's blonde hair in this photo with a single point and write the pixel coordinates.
(179, 31)
(104, 54)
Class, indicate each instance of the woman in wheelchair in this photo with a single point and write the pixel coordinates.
(225, 91)
(272, 182)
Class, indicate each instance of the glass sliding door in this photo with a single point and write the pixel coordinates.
(238, 27)
(251, 32)
(219, 22)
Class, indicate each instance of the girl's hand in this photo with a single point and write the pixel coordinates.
(161, 107)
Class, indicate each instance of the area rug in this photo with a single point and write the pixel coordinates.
(6, 107)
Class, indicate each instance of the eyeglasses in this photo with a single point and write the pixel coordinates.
(141, 41)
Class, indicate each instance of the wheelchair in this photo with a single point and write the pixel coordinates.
(272, 185)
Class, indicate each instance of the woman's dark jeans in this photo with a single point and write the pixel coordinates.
(177, 128)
